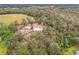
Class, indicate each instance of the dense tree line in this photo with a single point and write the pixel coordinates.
(59, 33)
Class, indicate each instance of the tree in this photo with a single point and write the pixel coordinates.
(13, 42)
(24, 22)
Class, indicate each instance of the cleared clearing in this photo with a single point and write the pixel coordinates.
(10, 18)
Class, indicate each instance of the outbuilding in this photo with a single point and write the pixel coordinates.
(37, 27)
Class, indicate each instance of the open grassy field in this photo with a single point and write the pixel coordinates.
(3, 48)
(10, 18)
(71, 50)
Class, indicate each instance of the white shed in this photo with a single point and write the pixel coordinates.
(37, 27)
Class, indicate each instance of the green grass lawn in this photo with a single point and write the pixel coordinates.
(70, 51)
(3, 48)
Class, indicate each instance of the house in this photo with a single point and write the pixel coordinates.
(30, 27)
(25, 30)
(37, 27)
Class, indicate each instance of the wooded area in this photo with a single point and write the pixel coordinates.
(59, 36)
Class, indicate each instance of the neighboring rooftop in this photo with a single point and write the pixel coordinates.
(26, 29)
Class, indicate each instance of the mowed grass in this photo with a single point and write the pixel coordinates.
(10, 18)
(3, 48)
(71, 50)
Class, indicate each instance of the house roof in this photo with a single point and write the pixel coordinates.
(36, 25)
(28, 28)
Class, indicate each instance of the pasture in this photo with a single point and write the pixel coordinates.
(10, 18)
